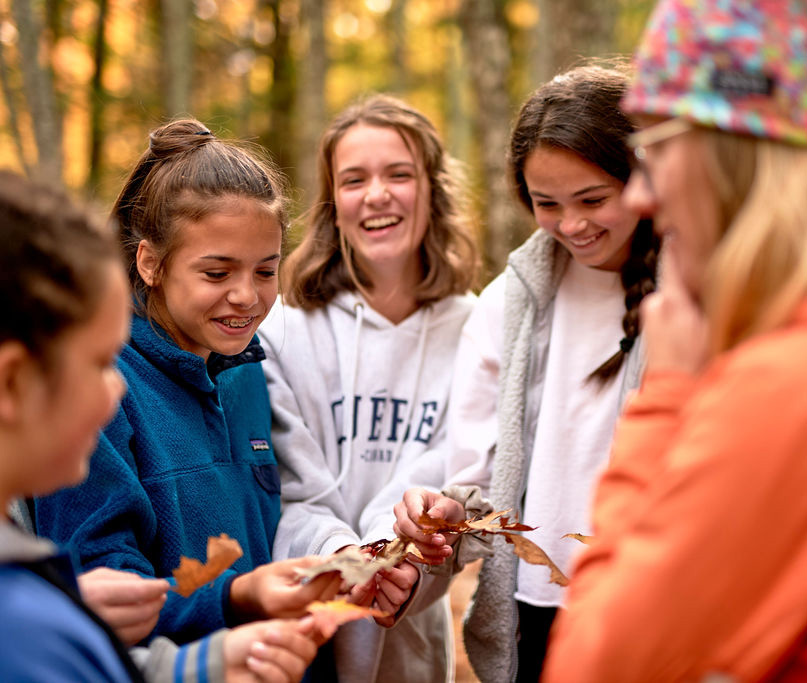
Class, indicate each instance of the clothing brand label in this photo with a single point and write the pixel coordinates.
(259, 444)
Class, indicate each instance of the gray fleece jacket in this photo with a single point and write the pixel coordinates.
(532, 276)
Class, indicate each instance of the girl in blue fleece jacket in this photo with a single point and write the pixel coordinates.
(65, 318)
(189, 453)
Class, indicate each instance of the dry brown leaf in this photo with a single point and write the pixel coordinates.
(358, 565)
(328, 616)
(534, 554)
(523, 547)
(191, 574)
(588, 540)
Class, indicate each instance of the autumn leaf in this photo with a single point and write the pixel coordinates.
(588, 540)
(523, 547)
(328, 616)
(191, 574)
(534, 554)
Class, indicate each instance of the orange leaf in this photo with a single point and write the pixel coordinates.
(588, 540)
(534, 554)
(191, 574)
(328, 616)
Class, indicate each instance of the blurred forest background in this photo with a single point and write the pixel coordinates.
(83, 81)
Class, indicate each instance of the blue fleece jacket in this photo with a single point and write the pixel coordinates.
(187, 456)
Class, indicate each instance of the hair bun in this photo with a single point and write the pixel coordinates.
(178, 137)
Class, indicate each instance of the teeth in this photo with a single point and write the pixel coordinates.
(382, 222)
(236, 322)
(586, 241)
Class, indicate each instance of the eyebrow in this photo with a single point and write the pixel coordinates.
(590, 188)
(230, 259)
(354, 169)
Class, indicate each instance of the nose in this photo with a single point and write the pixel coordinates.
(638, 195)
(377, 192)
(243, 293)
(571, 223)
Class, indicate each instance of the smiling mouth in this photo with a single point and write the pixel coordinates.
(381, 222)
(585, 241)
(236, 323)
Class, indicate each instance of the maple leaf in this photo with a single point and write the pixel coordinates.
(328, 616)
(191, 574)
(588, 540)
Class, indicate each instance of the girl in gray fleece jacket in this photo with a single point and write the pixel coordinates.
(359, 362)
(545, 362)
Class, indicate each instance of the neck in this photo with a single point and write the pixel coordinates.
(392, 296)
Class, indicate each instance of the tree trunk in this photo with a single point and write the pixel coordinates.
(39, 92)
(488, 58)
(97, 99)
(311, 107)
(13, 117)
(279, 138)
(571, 30)
(177, 49)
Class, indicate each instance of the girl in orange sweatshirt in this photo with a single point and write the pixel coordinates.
(699, 564)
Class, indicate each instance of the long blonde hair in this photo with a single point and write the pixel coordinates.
(757, 274)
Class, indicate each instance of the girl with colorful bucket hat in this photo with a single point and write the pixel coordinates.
(698, 564)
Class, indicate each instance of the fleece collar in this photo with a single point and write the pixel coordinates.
(155, 343)
(540, 263)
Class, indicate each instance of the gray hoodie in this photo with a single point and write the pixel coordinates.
(338, 491)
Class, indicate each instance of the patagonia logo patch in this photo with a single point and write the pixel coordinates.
(259, 444)
(737, 83)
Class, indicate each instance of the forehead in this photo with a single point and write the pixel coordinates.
(233, 223)
(365, 143)
(556, 171)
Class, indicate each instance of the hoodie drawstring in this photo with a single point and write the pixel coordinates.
(346, 451)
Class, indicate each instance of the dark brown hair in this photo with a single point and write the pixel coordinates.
(53, 260)
(184, 174)
(579, 111)
(317, 270)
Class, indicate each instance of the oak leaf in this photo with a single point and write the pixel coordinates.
(523, 547)
(328, 616)
(357, 566)
(191, 574)
(588, 540)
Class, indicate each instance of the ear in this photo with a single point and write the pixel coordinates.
(147, 263)
(16, 365)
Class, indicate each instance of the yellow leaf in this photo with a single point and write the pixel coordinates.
(328, 616)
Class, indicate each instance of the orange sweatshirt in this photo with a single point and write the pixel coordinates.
(700, 562)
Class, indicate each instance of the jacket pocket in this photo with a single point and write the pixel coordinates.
(268, 477)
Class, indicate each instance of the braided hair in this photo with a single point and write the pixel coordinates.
(579, 111)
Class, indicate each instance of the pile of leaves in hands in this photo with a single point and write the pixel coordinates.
(223, 551)
(357, 566)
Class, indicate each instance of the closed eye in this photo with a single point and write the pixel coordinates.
(215, 275)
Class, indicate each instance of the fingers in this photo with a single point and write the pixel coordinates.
(113, 587)
(280, 651)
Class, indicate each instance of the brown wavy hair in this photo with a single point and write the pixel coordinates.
(318, 268)
(184, 174)
(579, 111)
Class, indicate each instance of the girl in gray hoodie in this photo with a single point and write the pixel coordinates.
(359, 364)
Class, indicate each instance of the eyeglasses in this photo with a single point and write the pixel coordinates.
(642, 139)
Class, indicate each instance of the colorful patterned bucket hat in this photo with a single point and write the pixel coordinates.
(736, 65)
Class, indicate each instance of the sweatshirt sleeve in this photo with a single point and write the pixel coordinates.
(165, 662)
(472, 418)
(305, 528)
(109, 521)
(713, 533)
